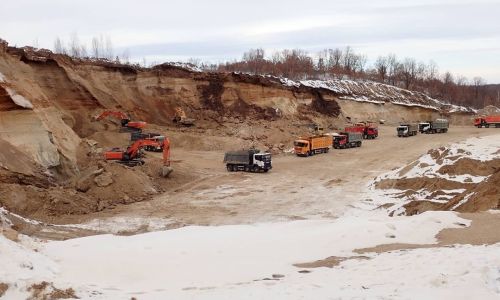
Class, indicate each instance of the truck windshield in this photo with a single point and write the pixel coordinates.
(402, 128)
(263, 157)
(299, 144)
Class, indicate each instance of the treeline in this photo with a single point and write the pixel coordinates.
(101, 47)
(345, 63)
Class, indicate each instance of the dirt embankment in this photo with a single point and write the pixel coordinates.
(448, 179)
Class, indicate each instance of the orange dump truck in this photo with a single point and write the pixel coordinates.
(307, 146)
(487, 121)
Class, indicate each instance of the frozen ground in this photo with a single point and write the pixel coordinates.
(258, 260)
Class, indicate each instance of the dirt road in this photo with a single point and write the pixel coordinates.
(322, 186)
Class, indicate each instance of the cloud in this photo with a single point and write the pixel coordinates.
(223, 29)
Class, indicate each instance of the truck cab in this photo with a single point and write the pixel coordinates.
(478, 122)
(403, 130)
(301, 147)
(424, 127)
(339, 141)
(263, 161)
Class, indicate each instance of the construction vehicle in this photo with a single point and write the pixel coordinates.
(307, 146)
(127, 125)
(347, 139)
(132, 156)
(251, 160)
(155, 137)
(487, 121)
(437, 126)
(407, 129)
(368, 130)
(181, 118)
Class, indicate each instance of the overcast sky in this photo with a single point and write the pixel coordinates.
(461, 36)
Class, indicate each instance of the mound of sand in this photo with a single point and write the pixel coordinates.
(464, 178)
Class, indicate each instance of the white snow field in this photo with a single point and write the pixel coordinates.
(239, 261)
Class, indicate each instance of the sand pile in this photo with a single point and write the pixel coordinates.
(464, 177)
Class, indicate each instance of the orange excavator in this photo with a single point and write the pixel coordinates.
(132, 155)
(132, 126)
(181, 118)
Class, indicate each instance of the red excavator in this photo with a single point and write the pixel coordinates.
(132, 155)
(131, 126)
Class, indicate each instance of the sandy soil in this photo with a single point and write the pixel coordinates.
(290, 191)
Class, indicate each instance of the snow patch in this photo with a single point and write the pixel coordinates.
(2, 78)
(18, 99)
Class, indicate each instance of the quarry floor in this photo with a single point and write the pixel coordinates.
(297, 188)
(309, 229)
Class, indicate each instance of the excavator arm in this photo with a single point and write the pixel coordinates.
(124, 119)
(117, 114)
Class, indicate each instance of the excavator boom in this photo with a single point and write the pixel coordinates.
(124, 119)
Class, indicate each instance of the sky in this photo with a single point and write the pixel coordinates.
(461, 36)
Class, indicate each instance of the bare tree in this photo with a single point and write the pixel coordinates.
(393, 67)
(432, 70)
(74, 45)
(126, 56)
(477, 82)
(96, 47)
(59, 46)
(108, 49)
(382, 68)
(409, 71)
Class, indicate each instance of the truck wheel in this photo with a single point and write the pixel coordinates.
(255, 169)
(247, 169)
(487, 125)
(359, 144)
(266, 170)
(229, 168)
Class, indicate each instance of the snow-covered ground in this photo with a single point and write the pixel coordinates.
(239, 261)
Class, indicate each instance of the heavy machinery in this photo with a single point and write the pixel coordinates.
(181, 118)
(127, 125)
(367, 129)
(487, 121)
(437, 126)
(347, 139)
(307, 146)
(407, 129)
(132, 155)
(154, 137)
(251, 160)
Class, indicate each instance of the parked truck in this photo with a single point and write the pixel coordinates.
(407, 129)
(367, 129)
(345, 140)
(251, 160)
(311, 145)
(487, 121)
(436, 126)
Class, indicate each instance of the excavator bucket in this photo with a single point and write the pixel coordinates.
(166, 170)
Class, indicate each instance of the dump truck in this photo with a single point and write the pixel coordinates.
(436, 126)
(307, 146)
(487, 121)
(251, 160)
(367, 129)
(345, 140)
(407, 129)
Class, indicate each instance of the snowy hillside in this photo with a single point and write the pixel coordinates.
(374, 92)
